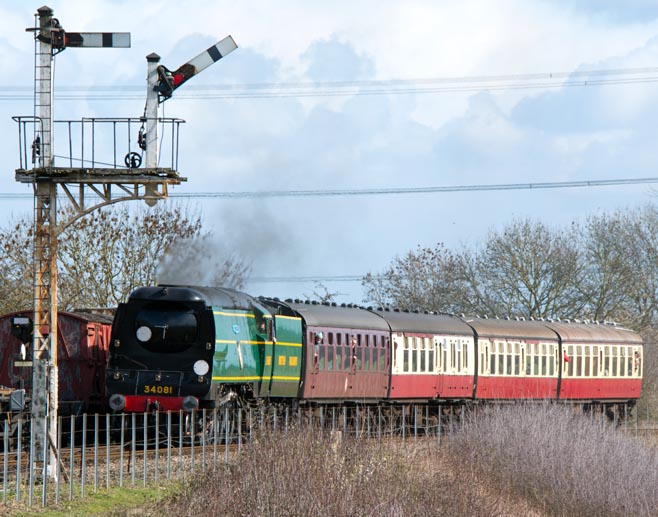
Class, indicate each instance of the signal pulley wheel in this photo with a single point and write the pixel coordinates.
(133, 160)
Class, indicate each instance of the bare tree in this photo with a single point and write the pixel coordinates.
(639, 245)
(322, 293)
(16, 266)
(105, 255)
(607, 273)
(108, 253)
(526, 269)
(529, 269)
(428, 278)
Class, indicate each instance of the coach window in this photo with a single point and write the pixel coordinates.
(338, 357)
(330, 357)
(423, 358)
(517, 358)
(348, 352)
(637, 362)
(528, 359)
(613, 360)
(536, 359)
(444, 355)
(622, 361)
(430, 354)
(568, 359)
(595, 361)
(429, 344)
(367, 357)
(578, 359)
(542, 348)
(450, 363)
(493, 359)
(586, 357)
(373, 353)
(322, 350)
(552, 354)
(507, 352)
(414, 354)
(500, 349)
(465, 354)
(458, 344)
(405, 367)
(439, 355)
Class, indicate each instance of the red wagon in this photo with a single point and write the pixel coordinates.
(83, 342)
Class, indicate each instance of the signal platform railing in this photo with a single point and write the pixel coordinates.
(97, 142)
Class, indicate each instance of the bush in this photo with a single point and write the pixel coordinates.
(312, 473)
(560, 461)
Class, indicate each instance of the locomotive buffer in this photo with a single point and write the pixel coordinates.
(89, 183)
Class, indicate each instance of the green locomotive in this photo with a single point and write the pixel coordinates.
(189, 348)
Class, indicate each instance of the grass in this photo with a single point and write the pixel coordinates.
(117, 502)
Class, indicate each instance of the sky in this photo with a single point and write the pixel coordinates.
(293, 108)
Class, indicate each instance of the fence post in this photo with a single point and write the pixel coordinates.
(5, 460)
(95, 452)
(169, 437)
(122, 442)
(72, 458)
(107, 450)
(133, 449)
(83, 458)
(157, 446)
(145, 447)
(438, 430)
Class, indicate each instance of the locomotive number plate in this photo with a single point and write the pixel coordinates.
(159, 390)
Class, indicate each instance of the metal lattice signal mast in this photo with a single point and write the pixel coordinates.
(51, 39)
(149, 184)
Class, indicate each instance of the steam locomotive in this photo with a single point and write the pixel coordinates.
(188, 348)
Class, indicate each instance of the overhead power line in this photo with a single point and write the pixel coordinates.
(418, 190)
(303, 279)
(394, 191)
(499, 82)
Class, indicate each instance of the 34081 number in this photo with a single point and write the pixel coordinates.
(159, 390)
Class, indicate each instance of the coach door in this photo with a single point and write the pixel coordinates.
(286, 356)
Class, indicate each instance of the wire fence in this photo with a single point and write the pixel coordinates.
(94, 452)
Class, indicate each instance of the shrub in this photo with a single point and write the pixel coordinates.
(562, 462)
(312, 473)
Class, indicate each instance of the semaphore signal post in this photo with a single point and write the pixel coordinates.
(102, 166)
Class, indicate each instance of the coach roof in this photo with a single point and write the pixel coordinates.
(334, 316)
(511, 329)
(425, 323)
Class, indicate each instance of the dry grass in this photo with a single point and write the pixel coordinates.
(310, 473)
(520, 460)
(559, 461)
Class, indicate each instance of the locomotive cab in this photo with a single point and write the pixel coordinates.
(161, 351)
